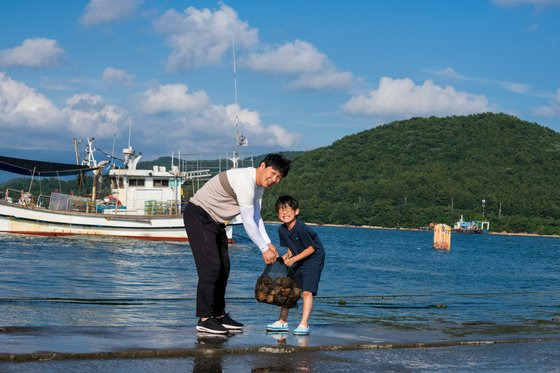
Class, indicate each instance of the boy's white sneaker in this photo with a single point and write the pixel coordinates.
(301, 330)
(277, 326)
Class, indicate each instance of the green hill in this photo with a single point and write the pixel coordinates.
(413, 172)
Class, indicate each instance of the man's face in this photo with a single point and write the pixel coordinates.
(268, 176)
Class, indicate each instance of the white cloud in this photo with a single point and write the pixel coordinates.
(28, 115)
(552, 109)
(255, 130)
(88, 115)
(219, 120)
(172, 98)
(401, 98)
(201, 37)
(192, 121)
(101, 11)
(526, 2)
(299, 57)
(111, 74)
(314, 70)
(21, 107)
(450, 73)
(515, 87)
(325, 80)
(38, 52)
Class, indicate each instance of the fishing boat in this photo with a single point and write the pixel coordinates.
(144, 204)
(474, 226)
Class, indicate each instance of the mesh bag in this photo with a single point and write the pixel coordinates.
(277, 285)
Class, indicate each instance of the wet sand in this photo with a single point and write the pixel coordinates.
(328, 348)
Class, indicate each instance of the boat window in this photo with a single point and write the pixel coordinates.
(161, 182)
(114, 183)
(136, 182)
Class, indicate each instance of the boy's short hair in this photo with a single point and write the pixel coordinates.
(286, 201)
(278, 162)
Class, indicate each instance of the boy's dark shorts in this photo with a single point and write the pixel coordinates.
(308, 279)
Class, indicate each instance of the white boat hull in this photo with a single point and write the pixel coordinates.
(15, 218)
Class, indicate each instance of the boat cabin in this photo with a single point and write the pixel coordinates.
(145, 192)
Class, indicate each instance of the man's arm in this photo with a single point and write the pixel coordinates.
(258, 218)
(267, 249)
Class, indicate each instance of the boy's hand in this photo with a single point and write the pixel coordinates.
(289, 261)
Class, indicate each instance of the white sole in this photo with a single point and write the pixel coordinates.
(277, 330)
(231, 327)
(212, 331)
(210, 335)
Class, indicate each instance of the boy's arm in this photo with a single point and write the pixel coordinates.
(287, 255)
(304, 254)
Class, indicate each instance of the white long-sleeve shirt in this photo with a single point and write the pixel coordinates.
(235, 192)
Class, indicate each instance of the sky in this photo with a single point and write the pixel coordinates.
(159, 74)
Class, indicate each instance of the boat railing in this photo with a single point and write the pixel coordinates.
(71, 203)
(20, 197)
(43, 201)
(162, 207)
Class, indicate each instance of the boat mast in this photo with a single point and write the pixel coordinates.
(240, 140)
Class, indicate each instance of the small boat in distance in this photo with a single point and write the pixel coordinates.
(144, 204)
(474, 226)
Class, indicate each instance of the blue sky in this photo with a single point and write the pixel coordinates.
(308, 72)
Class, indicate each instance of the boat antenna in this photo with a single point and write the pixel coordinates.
(129, 130)
(114, 138)
(240, 140)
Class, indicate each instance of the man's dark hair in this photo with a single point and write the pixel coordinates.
(278, 162)
(286, 201)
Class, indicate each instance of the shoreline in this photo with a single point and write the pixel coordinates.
(503, 233)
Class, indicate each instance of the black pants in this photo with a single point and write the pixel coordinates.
(209, 246)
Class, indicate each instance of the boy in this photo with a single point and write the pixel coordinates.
(232, 192)
(306, 256)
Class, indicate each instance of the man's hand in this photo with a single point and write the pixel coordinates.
(270, 255)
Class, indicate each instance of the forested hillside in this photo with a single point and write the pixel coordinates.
(410, 173)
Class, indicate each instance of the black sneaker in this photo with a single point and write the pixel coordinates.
(229, 323)
(211, 325)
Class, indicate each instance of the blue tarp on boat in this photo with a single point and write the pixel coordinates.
(39, 168)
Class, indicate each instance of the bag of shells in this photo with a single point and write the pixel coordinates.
(277, 285)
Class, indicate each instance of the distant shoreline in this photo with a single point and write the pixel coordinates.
(419, 230)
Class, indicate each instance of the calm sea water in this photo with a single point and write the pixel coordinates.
(486, 285)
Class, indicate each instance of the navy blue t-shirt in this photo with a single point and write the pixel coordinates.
(300, 238)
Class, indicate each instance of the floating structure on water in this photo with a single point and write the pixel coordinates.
(442, 237)
(474, 226)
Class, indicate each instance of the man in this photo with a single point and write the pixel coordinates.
(233, 192)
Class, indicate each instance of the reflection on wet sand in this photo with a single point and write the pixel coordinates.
(302, 340)
(209, 363)
(280, 337)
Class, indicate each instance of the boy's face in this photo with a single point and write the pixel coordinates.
(267, 176)
(287, 215)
